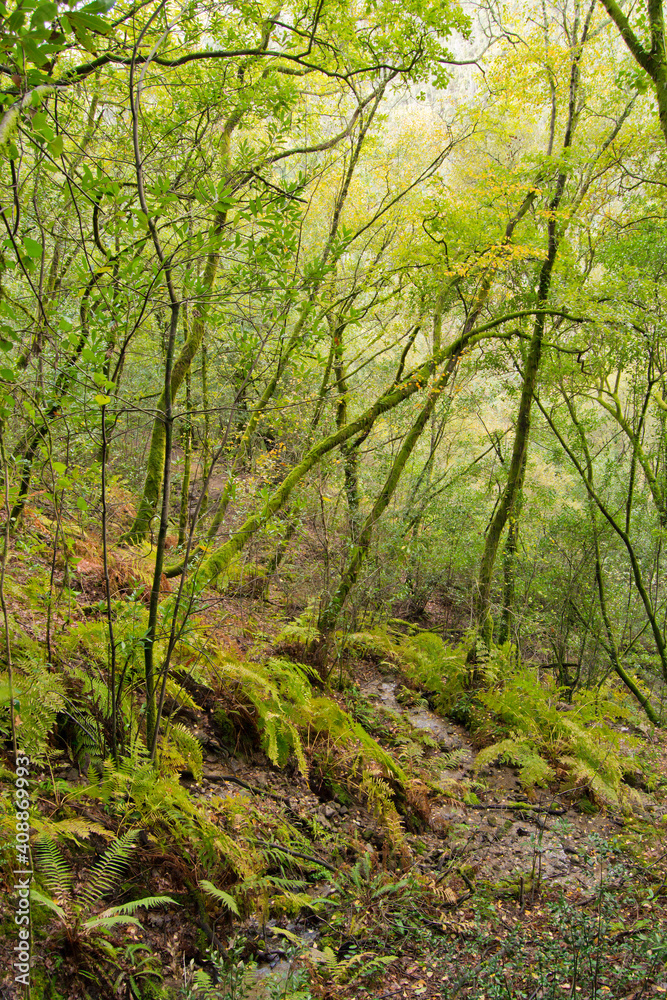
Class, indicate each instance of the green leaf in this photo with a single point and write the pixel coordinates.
(99, 6)
(59, 467)
(107, 923)
(7, 374)
(147, 903)
(56, 146)
(82, 504)
(101, 399)
(222, 897)
(37, 897)
(33, 248)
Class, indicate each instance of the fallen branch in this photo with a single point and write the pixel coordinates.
(520, 805)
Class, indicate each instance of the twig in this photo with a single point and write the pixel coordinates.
(521, 805)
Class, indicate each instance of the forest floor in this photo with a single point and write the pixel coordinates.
(484, 889)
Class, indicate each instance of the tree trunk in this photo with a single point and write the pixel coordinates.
(506, 507)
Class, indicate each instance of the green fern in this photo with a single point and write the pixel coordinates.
(378, 644)
(219, 895)
(381, 804)
(300, 632)
(54, 870)
(40, 695)
(77, 919)
(109, 870)
(189, 750)
(452, 760)
(533, 769)
(180, 695)
(581, 740)
(147, 903)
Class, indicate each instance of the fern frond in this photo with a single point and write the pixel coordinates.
(220, 896)
(53, 869)
(533, 769)
(109, 870)
(147, 903)
(238, 855)
(41, 696)
(106, 923)
(180, 695)
(38, 897)
(298, 632)
(188, 746)
(381, 803)
(76, 829)
(453, 759)
(599, 783)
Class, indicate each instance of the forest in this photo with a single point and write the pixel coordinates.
(333, 489)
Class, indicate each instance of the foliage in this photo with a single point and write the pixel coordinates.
(81, 929)
(281, 694)
(444, 671)
(38, 697)
(541, 735)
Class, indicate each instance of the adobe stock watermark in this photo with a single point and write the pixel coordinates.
(22, 872)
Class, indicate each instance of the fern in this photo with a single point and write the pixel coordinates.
(436, 667)
(54, 871)
(109, 870)
(76, 918)
(188, 747)
(298, 632)
(533, 769)
(580, 740)
(378, 645)
(75, 829)
(220, 896)
(180, 695)
(38, 897)
(41, 696)
(105, 923)
(380, 802)
(147, 903)
(452, 760)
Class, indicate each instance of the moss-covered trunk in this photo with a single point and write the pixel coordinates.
(507, 505)
(187, 465)
(329, 615)
(348, 450)
(155, 460)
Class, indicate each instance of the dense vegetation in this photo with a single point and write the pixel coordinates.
(332, 350)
